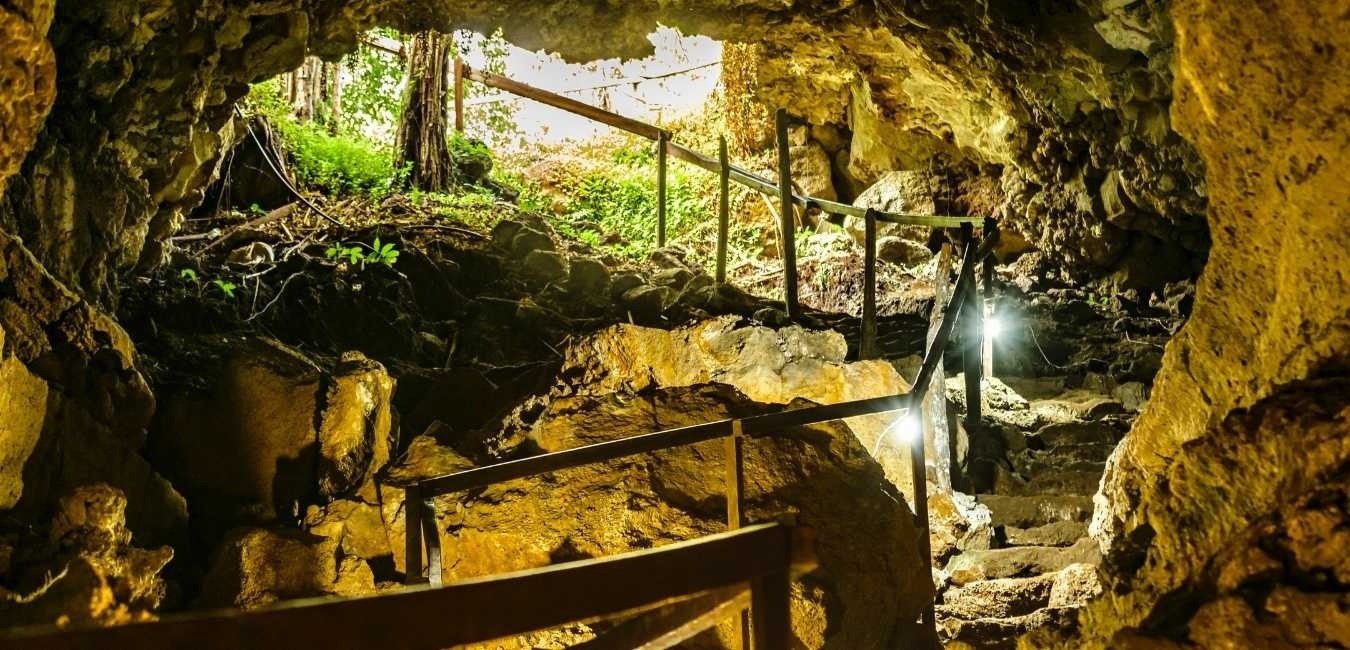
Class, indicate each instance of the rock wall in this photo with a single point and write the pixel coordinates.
(144, 100)
(1248, 419)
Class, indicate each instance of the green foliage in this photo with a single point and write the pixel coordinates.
(619, 204)
(336, 165)
(361, 255)
(372, 96)
(226, 288)
(189, 275)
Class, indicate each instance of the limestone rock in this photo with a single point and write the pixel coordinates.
(355, 422)
(904, 192)
(811, 171)
(870, 577)
(902, 251)
(998, 598)
(256, 567)
(28, 75)
(274, 432)
(1075, 585)
(1019, 561)
(86, 571)
(70, 370)
(23, 400)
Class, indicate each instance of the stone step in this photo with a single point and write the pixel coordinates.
(1074, 433)
(1077, 404)
(1048, 482)
(998, 598)
(1059, 533)
(1019, 561)
(1002, 633)
(1025, 512)
(1071, 456)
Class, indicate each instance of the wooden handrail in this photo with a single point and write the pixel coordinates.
(481, 609)
(681, 152)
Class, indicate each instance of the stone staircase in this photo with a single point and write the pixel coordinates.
(1036, 566)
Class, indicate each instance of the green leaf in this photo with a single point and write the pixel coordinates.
(188, 274)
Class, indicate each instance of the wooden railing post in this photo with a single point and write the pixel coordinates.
(662, 154)
(990, 230)
(412, 535)
(867, 349)
(735, 480)
(972, 342)
(723, 210)
(787, 215)
(459, 95)
(431, 539)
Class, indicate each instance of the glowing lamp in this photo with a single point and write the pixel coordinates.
(992, 327)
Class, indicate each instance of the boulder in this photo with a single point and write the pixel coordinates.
(906, 192)
(645, 303)
(871, 581)
(904, 252)
(588, 279)
(811, 171)
(544, 267)
(527, 240)
(273, 433)
(256, 567)
(85, 570)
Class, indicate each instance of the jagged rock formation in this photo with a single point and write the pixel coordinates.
(1249, 409)
(81, 568)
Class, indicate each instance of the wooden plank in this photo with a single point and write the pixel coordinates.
(723, 209)
(990, 231)
(672, 623)
(867, 347)
(600, 452)
(787, 216)
(459, 95)
(565, 103)
(734, 476)
(465, 612)
(662, 154)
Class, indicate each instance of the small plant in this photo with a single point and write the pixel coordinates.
(226, 288)
(256, 210)
(189, 275)
(350, 254)
(385, 254)
(377, 252)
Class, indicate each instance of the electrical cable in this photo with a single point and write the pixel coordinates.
(282, 177)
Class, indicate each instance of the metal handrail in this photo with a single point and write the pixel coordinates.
(483, 609)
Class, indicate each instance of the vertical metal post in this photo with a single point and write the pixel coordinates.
(662, 151)
(787, 215)
(734, 485)
(868, 347)
(723, 210)
(990, 230)
(919, 474)
(459, 95)
(770, 604)
(972, 335)
(412, 535)
(935, 400)
(432, 541)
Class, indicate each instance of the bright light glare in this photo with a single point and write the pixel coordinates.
(992, 327)
(908, 428)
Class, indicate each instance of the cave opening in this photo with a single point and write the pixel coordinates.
(1034, 316)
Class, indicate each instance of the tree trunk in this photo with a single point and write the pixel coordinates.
(334, 74)
(421, 133)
